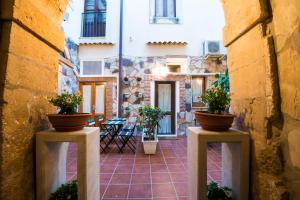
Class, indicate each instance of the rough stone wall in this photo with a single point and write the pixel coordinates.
(144, 67)
(265, 90)
(29, 66)
(286, 33)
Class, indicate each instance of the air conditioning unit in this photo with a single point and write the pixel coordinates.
(213, 49)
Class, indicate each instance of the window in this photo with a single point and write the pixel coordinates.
(94, 18)
(165, 8)
(174, 68)
(198, 87)
(92, 68)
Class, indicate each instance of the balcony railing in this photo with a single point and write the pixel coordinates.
(93, 24)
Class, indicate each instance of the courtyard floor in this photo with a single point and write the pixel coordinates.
(138, 176)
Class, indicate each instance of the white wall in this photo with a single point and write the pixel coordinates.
(200, 20)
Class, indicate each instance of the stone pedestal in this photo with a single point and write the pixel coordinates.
(51, 154)
(235, 161)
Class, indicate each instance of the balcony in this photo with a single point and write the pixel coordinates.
(93, 24)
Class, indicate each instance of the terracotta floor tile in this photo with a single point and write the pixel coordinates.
(176, 168)
(160, 178)
(142, 161)
(116, 191)
(157, 160)
(181, 189)
(140, 191)
(141, 168)
(179, 177)
(126, 161)
(102, 189)
(105, 178)
(140, 178)
(112, 161)
(118, 179)
(163, 190)
(172, 160)
(121, 169)
(107, 168)
(155, 168)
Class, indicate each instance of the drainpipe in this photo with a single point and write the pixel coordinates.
(120, 82)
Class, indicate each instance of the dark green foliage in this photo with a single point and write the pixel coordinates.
(217, 99)
(222, 80)
(67, 103)
(215, 192)
(66, 191)
(149, 118)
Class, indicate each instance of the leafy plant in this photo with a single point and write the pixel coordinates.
(149, 118)
(66, 191)
(222, 80)
(67, 103)
(138, 79)
(215, 192)
(217, 99)
(126, 78)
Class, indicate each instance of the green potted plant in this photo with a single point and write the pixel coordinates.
(215, 192)
(67, 118)
(66, 191)
(126, 111)
(149, 118)
(126, 80)
(217, 118)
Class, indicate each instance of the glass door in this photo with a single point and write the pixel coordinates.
(93, 99)
(165, 100)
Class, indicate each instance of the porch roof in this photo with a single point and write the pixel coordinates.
(167, 43)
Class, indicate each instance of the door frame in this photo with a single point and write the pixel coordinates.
(93, 97)
(173, 104)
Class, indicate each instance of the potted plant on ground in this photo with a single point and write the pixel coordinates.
(149, 117)
(215, 192)
(217, 118)
(67, 118)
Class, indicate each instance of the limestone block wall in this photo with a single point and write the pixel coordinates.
(263, 59)
(29, 66)
(286, 33)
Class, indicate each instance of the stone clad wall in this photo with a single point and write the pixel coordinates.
(144, 67)
(263, 59)
(29, 65)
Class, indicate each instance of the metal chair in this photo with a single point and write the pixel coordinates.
(127, 138)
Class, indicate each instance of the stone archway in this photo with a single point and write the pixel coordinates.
(263, 52)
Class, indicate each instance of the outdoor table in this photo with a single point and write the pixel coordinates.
(116, 126)
(118, 119)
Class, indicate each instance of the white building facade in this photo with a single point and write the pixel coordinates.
(171, 50)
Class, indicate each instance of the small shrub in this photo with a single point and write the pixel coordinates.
(149, 118)
(66, 103)
(215, 192)
(217, 100)
(66, 191)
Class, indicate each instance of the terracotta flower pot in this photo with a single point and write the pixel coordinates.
(66, 123)
(214, 122)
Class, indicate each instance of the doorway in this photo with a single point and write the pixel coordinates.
(165, 100)
(93, 98)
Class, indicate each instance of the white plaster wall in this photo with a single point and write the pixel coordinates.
(199, 20)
